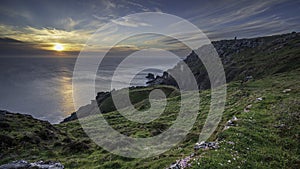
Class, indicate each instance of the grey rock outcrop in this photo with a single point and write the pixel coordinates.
(22, 164)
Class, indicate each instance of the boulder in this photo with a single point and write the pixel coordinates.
(22, 164)
(206, 145)
(150, 76)
(286, 90)
(47, 165)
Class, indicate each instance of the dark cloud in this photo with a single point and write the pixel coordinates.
(217, 18)
(12, 47)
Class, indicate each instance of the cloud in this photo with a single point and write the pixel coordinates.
(9, 40)
(24, 14)
(130, 22)
(135, 4)
(102, 18)
(109, 4)
(9, 47)
(44, 38)
(253, 28)
(244, 12)
(68, 23)
(244, 18)
(73, 25)
(157, 10)
(263, 27)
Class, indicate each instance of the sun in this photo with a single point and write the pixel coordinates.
(58, 47)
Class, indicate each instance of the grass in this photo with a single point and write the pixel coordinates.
(265, 137)
(258, 143)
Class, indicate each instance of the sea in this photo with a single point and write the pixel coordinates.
(42, 86)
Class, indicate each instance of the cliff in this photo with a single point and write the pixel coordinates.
(256, 57)
(259, 127)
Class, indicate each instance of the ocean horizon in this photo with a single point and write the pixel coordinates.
(42, 86)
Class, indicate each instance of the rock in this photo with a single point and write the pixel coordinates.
(226, 127)
(174, 166)
(232, 121)
(72, 117)
(279, 126)
(247, 78)
(47, 165)
(204, 145)
(150, 76)
(234, 59)
(231, 142)
(247, 108)
(22, 164)
(181, 164)
(259, 98)
(234, 118)
(102, 96)
(157, 81)
(286, 90)
(164, 79)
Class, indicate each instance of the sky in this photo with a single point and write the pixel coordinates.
(35, 27)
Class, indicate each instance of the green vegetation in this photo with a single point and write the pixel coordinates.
(266, 136)
(137, 95)
(258, 57)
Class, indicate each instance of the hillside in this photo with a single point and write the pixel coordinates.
(256, 57)
(263, 134)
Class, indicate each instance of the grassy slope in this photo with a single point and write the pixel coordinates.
(267, 59)
(258, 144)
(136, 96)
(277, 54)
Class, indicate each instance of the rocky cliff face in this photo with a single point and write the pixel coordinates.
(254, 57)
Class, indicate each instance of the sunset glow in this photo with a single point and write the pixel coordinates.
(58, 47)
